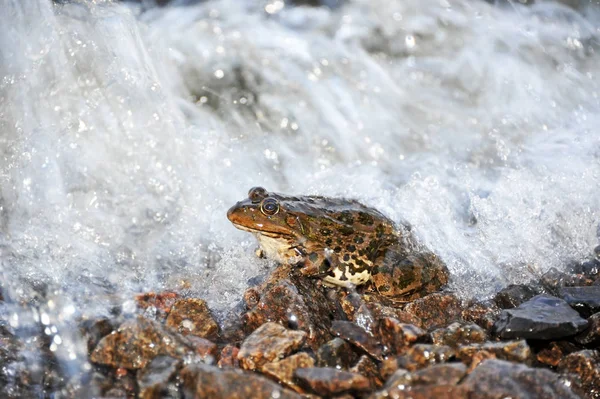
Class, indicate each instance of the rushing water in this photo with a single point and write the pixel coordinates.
(126, 133)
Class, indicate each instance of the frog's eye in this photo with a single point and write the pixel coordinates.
(269, 206)
(256, 194)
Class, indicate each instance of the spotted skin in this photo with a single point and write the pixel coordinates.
(341, 241)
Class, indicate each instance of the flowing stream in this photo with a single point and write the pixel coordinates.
(126, 133)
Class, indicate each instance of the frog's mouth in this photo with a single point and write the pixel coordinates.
(271, 234)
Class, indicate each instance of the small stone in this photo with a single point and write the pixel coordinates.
(357, 336)
(296, 301)
(585, 365)
(591, 335)
(514, 295)
(555, 352)
(367, 367)
(336, 353)
(542, 317)
(161, 302)
(436, 310)
(94, 330)
(420, 356)
(438, 381)
(136, 343)
(484, 314)
(494, 379)
(327, 381)
(201, 381)
(516, 351)
(269, 342)
(283, 370)
(585, 300)
(192, 316)
(554, 279)
(456, 334)
(380, 311)
(207, 350)
(396, 337)
(154, 379)
(229, 356)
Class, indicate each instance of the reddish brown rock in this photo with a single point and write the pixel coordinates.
(336, 353)
(585, 366)
(381, 311)
(494, 379)
(357, 336)
(368, 368)
(484, 314)
(432, 382)
(159, 303)
(555, 352)
(283, 370)
(229, 356)
(516, 351)
(436, 310)
(458, 334)
(420, 356)
(396, 337)
(294, 300)
(591, 335)
(136, 343)
(514, 295)
(207, 350)
(201, 381)
(94, 330)
(192, 316)
(328, 381)
(366, 309)
(157, 379)
(268, 343)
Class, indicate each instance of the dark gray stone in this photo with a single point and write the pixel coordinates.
(542, 317)
(494, 379)
(585, 300)
(514, 295)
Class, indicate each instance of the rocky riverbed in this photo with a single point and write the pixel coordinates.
(295, 338)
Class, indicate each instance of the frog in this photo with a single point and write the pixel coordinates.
(341, 241)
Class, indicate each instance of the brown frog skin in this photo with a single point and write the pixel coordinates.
(341, 241)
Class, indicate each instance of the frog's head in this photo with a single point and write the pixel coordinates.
(268, 214)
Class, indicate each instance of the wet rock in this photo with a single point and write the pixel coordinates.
(585, 366)
(438, 381)
(136, 343)
(269, 342)
(555, 352)
(294, 301)
(555, 279)
(420, 356)
(484, 314)
(514, 295)
(458, 334)
(94, 330)
(357, 336)
(201, 381)
(494, 379)
(542, 317)
(283, 370)
(589, 268)
(336, 353)
(585, 300)
(327, 381)
(205, 349)
(516, 351)
(156, 304)
(229, 356)
(155, 380)
(192, 316)
(591, 335)
(368, 368)
(436, 310)
(396, 337)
